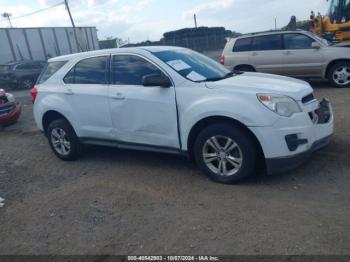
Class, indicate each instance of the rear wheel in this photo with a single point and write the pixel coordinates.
(339, 74)
(226, 153)
(63, 140)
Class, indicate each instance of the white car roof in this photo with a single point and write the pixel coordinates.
(139, 49)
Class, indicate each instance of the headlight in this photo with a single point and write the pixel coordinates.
(282, 105)
(10, 98)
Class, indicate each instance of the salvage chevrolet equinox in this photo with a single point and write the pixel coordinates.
(174, 100)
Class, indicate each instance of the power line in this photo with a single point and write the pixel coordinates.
(35, 12)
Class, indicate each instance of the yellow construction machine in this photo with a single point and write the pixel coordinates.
(336, 25)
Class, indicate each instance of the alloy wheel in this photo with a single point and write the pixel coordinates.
(60, 141)
(341, 75)
(222, 155)
(27, 83)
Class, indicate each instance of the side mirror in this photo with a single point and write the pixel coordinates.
(156, 80)
(316, 45)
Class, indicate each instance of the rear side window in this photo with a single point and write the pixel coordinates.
(242, 45)
(130, 70)
(49, 70)
(88, 71)
(297, 41)
(268, 42)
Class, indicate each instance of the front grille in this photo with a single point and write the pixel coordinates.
(4, 110)
(323, 114)
(308, 98)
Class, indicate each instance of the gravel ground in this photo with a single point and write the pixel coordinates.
(125, 202)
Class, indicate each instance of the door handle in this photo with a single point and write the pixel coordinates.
(287, 53)
(118, 96)
(255, 54)
(69, 92)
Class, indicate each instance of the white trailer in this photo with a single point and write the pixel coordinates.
(45, 42)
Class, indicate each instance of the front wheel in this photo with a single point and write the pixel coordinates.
(63, 140)
(226, 153)
(339, 75)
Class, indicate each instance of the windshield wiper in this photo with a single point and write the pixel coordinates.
(228, 75)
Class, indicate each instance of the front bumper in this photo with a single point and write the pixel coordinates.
(290, 141)
(284, 164)
(12, 116)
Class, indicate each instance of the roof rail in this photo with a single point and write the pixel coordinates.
(269, 31)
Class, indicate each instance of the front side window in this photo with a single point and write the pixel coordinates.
(49, 70)
(268, 42)
(89, 71)
(130, 70)
(297, 41)
(243, 45)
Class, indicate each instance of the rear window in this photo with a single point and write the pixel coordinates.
(242, 45)
(267, 42)
(49, 70)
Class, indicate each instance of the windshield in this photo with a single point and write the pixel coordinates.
(320, 39)
(193, 66)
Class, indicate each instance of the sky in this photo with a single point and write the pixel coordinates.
(139, 20)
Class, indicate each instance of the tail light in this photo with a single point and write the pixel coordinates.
(34, 93)
(222, 60)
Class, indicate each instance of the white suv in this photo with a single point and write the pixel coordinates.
(175, 100)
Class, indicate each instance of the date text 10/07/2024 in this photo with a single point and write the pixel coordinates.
(172, 258)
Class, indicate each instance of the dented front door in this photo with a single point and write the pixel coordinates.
(141, 115)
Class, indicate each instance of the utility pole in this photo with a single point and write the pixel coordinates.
(7, 15)
(73, 25)
(275, 23)
(195, 21)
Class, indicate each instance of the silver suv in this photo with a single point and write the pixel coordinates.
(291, 53)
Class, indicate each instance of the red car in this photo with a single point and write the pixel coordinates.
(9, 109)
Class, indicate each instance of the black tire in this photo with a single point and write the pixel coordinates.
(334, 69)
(241, 138)
(26, 83)
(75, 150)
(245, 68)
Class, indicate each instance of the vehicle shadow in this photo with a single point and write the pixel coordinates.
(170, 165)
(319, 83)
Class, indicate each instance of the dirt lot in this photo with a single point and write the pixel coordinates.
(125, 202)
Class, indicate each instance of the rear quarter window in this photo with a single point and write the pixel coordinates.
(243, 45)
(89, 71)
(49, 70)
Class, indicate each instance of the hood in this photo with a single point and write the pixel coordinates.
(265, 83)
